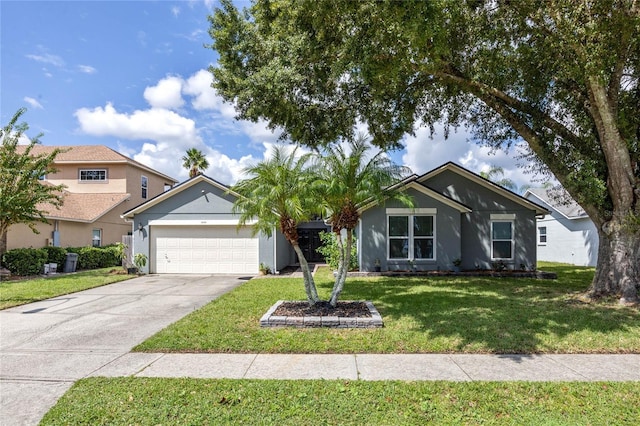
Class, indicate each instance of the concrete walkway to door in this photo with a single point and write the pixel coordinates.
(46, 346)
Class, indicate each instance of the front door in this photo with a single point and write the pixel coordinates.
(309, 241)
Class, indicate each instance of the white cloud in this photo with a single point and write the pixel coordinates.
(165, 94)
(166, 134)
(47, 58)
(156, 124)
(175, 11)
(33, 102)
(205, 98)
(87, 69)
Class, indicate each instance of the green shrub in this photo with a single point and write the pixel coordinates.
(331, 251)
(95, 257)
(25, 261)
(56, 255)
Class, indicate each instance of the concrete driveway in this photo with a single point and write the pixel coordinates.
(46, 346)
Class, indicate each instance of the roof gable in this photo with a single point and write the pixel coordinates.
(176, 190)
(491, 186)
(411, 182)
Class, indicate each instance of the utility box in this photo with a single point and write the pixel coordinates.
(71, 262)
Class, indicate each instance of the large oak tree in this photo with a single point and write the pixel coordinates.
(561, 75)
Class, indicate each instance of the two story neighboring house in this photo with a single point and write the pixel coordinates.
(101, 184)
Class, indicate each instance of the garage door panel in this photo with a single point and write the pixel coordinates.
(208, 249)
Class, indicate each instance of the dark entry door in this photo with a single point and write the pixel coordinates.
(309, 240)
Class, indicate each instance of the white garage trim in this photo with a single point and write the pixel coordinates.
(213, 222)
(203, 249)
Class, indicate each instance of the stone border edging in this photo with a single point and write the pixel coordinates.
(270, 320)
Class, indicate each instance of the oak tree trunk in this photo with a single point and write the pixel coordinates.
(618, 269)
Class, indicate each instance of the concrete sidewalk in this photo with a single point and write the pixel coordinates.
(452, 367)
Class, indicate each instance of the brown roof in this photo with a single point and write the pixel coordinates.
(88, 154)
(84, 207)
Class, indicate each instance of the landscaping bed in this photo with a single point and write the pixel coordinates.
(300, 314)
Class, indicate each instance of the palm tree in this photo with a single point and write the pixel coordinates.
(494, 173)
(279, 193)
(195, 162)
(348, 181)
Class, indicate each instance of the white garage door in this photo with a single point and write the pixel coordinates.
(203, 250)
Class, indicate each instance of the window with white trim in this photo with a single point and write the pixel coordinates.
(502, 239)
(96, 239)
(411, 237)
(143, 183)
(542, 235)
(92, 175)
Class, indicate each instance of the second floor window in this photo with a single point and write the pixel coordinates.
(143, 184)
(93, 175)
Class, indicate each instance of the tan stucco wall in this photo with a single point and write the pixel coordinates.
(68, 175)
(72, 234)
(155, 184)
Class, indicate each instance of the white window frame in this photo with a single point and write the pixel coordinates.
(410, 214)
(94, 239)
(511, 240)
(144, 186)
(80, 179)
(542, 235)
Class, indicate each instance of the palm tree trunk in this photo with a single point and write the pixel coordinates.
(343, 267)
(309, 284)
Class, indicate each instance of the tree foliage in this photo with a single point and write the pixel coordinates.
(23, 197)
(348, 179)
(495, 174)
(195, 161)
(277, 193)
(561, 75)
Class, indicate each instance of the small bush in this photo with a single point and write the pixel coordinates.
(331, 251)
(25, 261)
(95, 257)
(56, 255)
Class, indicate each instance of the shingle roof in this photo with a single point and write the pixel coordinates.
(560, 201)
(84, 207)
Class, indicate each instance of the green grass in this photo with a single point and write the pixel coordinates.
(15, 293)
(153, 401)
(421, 315)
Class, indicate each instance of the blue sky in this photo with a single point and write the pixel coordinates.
(132, 75)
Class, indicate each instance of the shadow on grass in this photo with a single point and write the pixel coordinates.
(504, 315)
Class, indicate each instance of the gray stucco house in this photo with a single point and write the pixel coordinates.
(457, 215)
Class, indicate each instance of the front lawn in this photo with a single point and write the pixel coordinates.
(421, 315)
(153, 401)
(15, 293)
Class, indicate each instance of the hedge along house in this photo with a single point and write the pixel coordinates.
(458, 215)
(191, 229)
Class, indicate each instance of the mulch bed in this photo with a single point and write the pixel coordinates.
(323, 309)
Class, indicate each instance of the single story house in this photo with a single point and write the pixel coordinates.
(457, 215)
(568, 234)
